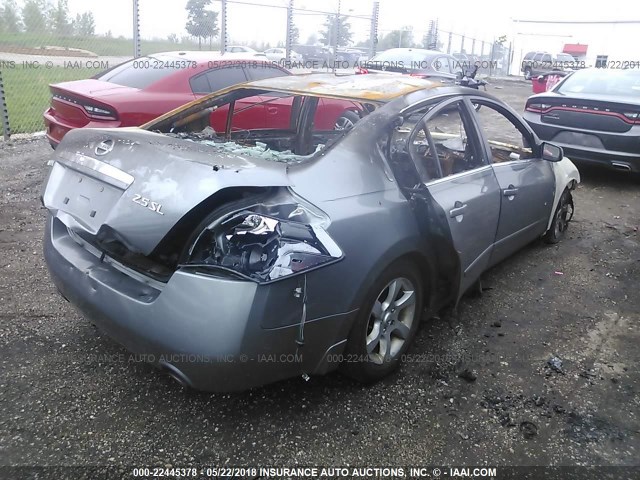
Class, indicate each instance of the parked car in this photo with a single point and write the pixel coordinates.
(280, 55)
(350, 56)
(314, 55)
(235, 259)
(594, 114)
(242, 49)
(467, 61)
(413, 61)
(140, 90)
(544, 83)
(539, 63)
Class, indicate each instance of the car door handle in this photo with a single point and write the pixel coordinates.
(458, 210)
(510, 192)
(272, 110)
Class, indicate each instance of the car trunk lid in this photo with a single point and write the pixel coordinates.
(135, 185)
(594, 112)
(79, 102)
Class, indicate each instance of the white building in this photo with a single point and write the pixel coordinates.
(613, 44)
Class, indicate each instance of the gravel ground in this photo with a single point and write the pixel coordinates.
(70, 396)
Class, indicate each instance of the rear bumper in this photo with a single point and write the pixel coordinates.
(204, 330)
(618, 159)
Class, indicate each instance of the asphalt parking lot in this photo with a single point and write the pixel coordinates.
(71, 396)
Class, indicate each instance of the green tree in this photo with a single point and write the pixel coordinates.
(59, 22)
(85, 25)
(336, 28)
(201, 23)
(34, 16)
(396, 39)
(10, 18)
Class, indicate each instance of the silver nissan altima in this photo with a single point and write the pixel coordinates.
(240, 252)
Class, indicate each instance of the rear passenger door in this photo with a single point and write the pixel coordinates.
(449, 158)
(527, 183)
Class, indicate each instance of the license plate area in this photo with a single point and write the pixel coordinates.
(86, 199)
(579, 139)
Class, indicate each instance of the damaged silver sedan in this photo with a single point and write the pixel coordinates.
(237, 257)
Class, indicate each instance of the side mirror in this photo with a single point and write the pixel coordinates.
(551, 152)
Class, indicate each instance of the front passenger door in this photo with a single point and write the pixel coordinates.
(450, 160)
(527, 182)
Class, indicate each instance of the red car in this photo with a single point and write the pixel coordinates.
(544, 83)
(140, 90)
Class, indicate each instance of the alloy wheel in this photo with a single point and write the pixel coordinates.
(390, 320)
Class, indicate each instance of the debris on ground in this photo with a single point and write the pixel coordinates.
(528, 429)
(556, 365)
(468, 375)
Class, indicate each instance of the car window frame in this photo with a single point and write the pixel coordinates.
(442, 60)
(210, 70)
(473, 135)
(264, 66)
(535, 144)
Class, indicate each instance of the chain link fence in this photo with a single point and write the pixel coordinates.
(44, 42)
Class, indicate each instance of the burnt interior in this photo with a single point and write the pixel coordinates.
(296, 129)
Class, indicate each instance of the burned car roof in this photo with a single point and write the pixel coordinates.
(379, 89)
(382, 88)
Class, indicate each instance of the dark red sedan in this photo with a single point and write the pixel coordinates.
(140, 90)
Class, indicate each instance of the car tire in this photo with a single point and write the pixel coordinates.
(561, 219)
(527, 73)
(386, 324)
(347, 120)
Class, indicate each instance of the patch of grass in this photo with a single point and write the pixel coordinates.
(27, 89)
(102, 46)
(28, 96)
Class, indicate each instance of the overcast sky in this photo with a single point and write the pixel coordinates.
(479, 19)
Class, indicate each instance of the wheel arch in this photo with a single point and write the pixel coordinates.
(426, 266)
(567, 177)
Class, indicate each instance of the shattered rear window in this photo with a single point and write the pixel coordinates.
(258, 150)
(271, 125)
